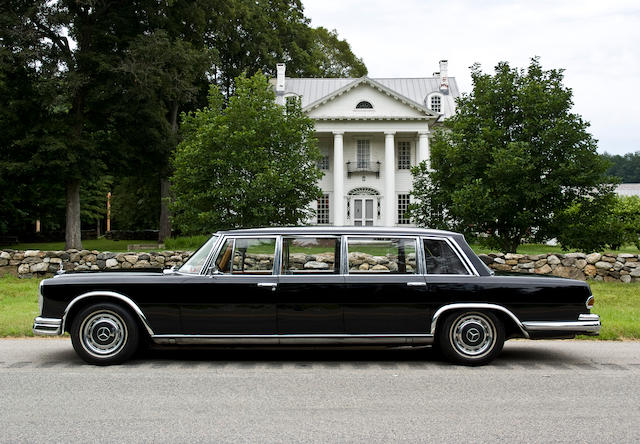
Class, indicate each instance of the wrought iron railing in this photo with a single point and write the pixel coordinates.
(363, 168)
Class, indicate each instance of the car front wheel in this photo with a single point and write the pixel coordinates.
(471, 338)
(104, 334)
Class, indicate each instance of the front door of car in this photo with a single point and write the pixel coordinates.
(239, 297)
(310, 287)
(385, 291)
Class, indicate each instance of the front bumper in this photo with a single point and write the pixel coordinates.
(587, 324)
(47, 326)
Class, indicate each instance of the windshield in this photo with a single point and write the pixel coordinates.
(195, 263)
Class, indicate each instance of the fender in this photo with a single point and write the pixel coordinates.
(108, 294)
(482, 306)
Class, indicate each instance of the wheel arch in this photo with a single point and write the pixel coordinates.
(86, 299)
(503, 313)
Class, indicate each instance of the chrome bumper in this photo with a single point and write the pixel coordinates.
(587, 324)
(47, 326)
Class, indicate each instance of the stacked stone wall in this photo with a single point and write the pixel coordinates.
(596, 266)
(33, 263)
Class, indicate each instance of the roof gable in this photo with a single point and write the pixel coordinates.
(387, 103)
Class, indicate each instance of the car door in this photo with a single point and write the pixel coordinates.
(238, 296)
(310, 287)
(386, 290)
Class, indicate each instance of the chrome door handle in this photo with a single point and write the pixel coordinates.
(271, 285)
(417, 284)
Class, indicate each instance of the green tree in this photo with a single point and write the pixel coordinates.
(512, 158)
(626, 167)
(333, 57)
(250, 163)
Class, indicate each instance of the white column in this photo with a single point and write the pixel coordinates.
(338, 179)
(423, 147)
(389, 179)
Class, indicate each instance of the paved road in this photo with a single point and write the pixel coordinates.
(537, 391)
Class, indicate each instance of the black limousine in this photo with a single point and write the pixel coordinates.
(316, 285)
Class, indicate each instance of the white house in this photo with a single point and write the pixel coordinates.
(371, 131)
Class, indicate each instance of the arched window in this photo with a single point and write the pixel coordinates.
(364, 105)
(435, 104)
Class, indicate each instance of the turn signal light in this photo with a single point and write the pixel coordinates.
(590, 301)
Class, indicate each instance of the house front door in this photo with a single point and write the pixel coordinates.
(363, 212)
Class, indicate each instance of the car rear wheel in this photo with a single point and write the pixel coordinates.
(105, 334)
(471, 338)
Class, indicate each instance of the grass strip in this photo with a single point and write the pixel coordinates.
(617, 304)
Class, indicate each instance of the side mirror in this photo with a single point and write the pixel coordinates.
(171, 270)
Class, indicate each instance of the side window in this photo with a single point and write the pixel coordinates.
(253, 255)
(382, 255)
(223, 261)
(441, 259)
(310, 255)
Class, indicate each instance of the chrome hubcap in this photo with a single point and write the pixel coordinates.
(472, 334)
(103, 333)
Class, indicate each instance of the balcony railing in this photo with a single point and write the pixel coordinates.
(363, 168)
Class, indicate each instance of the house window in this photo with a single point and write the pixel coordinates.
(323, 164)
(364, 105)
(363, 154)
(323, 209)
(404, 155)
(436, 104)
(403, 206)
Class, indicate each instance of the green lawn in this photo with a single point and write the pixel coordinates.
(90, 244)
(618, 305)
(546, 249)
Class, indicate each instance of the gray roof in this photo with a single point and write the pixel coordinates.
(416, 89)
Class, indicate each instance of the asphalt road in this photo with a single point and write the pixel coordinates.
(537, 391)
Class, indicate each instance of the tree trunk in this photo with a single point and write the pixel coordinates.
(72, 231)
(165, 221)
(164, 227)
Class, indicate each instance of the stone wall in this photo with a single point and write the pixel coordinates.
(32, 263)
(600, 267)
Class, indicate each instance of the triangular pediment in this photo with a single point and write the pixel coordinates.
(386, 104)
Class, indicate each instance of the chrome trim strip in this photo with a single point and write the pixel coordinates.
(296, 339)
(47, 326)
(589, 324)
(482, 306)
(110, 294)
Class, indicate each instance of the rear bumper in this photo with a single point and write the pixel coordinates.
(47, 326)
(587, 324)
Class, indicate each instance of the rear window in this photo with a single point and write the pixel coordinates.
(441, 259)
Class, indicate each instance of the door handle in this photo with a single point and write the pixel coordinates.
(417, 284)
(271, 285)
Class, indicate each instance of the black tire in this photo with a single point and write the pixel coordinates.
(471, 337)
(105, 334)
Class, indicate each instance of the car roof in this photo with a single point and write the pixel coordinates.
(341, 230)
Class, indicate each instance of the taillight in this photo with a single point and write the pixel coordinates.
(590, 301)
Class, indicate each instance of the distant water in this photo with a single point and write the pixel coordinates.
(628, 189)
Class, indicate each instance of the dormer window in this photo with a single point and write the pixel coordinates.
(364, 105)
(435, 104)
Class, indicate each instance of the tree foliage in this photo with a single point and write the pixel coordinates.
(247, 164)
(612, 221)
(626, 167)
(512, 158)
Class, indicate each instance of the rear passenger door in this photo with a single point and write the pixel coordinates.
(310, 286)
(386, 289)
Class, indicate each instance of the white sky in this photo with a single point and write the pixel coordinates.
(596, 42)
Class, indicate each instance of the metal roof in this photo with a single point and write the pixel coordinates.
(416, 89)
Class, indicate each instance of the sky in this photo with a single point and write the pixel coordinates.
(597, 43)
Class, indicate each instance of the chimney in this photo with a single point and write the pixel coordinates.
(444, 80)
(280, 68)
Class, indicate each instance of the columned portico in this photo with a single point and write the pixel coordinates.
(389, 178)
(338, 178)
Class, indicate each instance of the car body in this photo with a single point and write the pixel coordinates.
(317, 285)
